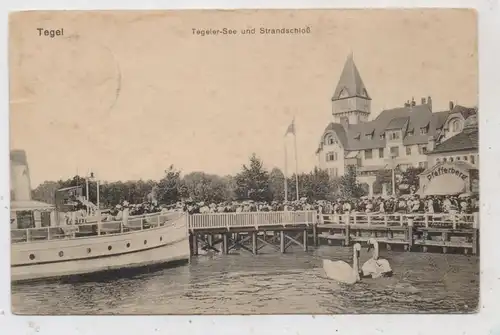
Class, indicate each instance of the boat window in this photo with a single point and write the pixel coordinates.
(128, 245)
(89, 250)
(25, 219)
(45, 218)
(61, 253)
(110, 247)
(145, 241)
(32, 257)
(161, 238)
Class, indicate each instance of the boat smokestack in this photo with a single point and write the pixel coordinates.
(20, 183)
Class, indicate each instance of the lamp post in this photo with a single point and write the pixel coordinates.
(393, 168)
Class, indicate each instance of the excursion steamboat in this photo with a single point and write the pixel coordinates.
(47, 243)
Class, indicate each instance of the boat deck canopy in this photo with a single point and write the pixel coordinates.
(29, 205)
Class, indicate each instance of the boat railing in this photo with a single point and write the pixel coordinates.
(134, 223)
(419, 220)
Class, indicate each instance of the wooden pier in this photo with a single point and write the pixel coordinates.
(250, 232)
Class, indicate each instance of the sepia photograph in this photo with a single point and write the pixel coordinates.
(187, 162)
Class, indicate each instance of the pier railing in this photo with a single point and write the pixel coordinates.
(133, 223)
(210, 221)
(250, 219)
(423, 220)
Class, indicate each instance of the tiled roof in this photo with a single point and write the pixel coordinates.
(468, 139)
(397, 123)
(465, 111)
(413, 118)
(350, 80)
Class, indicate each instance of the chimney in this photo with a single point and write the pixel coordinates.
(344, 121)
(429, 102)
(422, 101)
(431, 144)
(20, 183)
(451, 105)
(413, 103)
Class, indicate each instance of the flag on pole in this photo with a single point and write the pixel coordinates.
(291, 128)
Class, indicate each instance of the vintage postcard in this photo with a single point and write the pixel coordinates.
(244, 161)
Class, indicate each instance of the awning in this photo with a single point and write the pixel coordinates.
(445, 184)
(29, 205)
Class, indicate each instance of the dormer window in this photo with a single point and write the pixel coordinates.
(343, 93)
(394, 135)
(456, 126)
(330, 140)
(358, 136)
(424, 130)
(382, 136)
(410, 132)
(369, 136)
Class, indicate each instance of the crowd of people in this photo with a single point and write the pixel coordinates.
(462, 204)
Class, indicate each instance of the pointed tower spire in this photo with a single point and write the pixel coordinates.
(350, 102)
(350, 83)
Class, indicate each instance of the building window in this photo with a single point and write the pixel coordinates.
(422, 149)
(456, 126)
(331, 156)
(451, 159)
(472, 159)
(330, 140)
(458, 158)
(343, 93)
(368, 154)
(444, 160)
(395, 151)
(394, 135)
(381, 153)
(422, 165)
(408, 150)
(466, 158)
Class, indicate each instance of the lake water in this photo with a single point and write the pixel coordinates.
(267, 284)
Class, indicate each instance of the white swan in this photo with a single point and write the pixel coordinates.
(375, 267)
(341, 271)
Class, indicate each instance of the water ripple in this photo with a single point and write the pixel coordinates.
(267, 284)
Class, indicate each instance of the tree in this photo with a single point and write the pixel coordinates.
(277, 184)
(253, 181)
(205, 187)
(45, 192)
(169, 186)
(410, 177)
(349, 186)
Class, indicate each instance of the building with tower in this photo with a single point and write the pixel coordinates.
(396, 138)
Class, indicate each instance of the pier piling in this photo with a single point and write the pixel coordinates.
(254, 243)
(282, 242)
(225, 246)
(305, 240)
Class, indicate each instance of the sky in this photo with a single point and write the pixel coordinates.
(127, 94)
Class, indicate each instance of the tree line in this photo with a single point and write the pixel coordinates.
(253, 182)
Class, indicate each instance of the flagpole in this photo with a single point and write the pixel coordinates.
(296, 162)
(286, 173)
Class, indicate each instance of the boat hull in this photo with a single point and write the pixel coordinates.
(70, 257)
